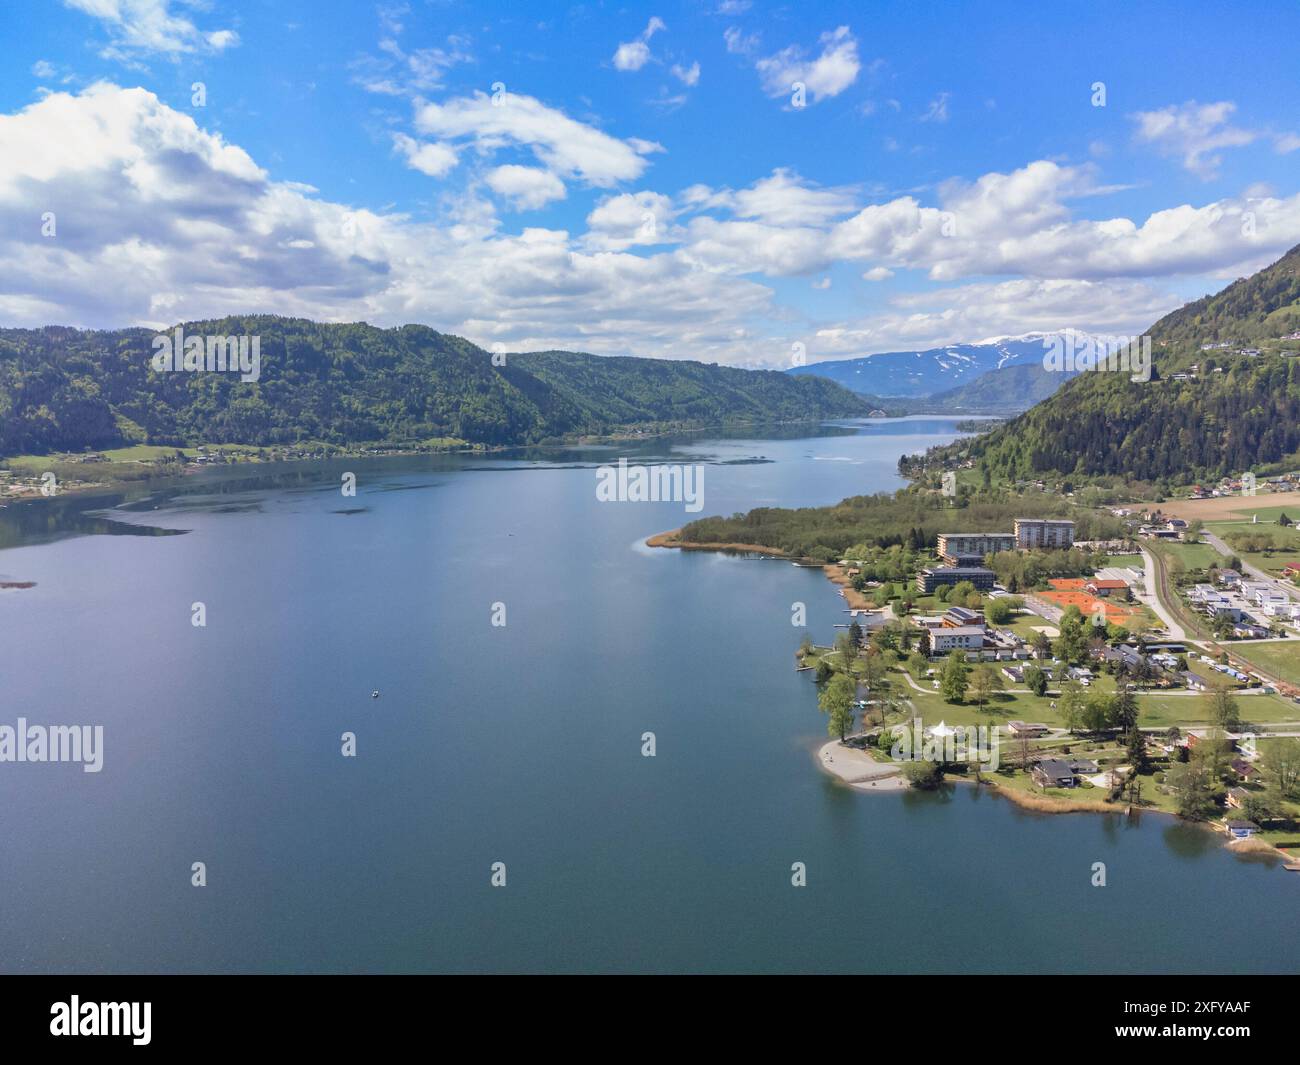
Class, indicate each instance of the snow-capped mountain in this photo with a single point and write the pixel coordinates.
(924, 373)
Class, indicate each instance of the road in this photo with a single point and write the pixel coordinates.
(1154, 593)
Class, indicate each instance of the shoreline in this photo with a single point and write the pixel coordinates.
(669, 539)
(858, 769)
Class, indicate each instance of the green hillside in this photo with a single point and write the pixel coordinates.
(65, 389)
(1233, 413)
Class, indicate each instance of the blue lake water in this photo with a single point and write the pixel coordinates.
(519, 744)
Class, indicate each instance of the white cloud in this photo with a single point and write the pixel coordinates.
(563, 145)
(186, 225)
(398, 72)
(688, 76)
(432, 159)
(633, 55)
(1285, 143)
(738, 42)
(1194, 132)
(526, 187)
(829, 74)
(145, 27)
(628, 219)
(938, 109)
(1006, 308)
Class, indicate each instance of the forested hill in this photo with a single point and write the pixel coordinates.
(65, 389)
(1233, 412)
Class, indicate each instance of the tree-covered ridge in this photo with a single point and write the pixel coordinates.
(65, 389)
(910, 517)
(1232, 413)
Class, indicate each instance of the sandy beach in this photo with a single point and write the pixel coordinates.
(858, 769)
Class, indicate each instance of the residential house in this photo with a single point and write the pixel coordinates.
(1053, 773)
(1241, 829)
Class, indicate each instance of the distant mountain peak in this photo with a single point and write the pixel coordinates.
(914, 374)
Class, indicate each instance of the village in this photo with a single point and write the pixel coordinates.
(1102, 699)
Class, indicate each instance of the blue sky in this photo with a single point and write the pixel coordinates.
(645, 183)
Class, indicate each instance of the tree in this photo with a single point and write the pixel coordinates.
(1097, 712)
(998, 612)
(952, 679)
(1222, 706)
(984, 682)
(1260, 807)
(847, 650)
(855, 633)
(917, 664)
(873, 669)
(824, 671)
(1124, 711)
(1036, 680)
(1137, 752)
(805, 646)
(1071, 707)
(1193, 790)
(1042, 644)
(836, 702)
(923, 774)
(1281, 761)
(1072, 644)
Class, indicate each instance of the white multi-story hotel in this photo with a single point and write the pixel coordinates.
(1044, 533)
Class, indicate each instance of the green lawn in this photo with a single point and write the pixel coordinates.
(1192, 556)
(1282, 659)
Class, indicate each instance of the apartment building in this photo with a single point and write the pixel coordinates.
(1044, 533)
(958, 548)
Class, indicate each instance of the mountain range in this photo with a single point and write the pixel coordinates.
(934, 371)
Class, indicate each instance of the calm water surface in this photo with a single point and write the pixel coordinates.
(518, 744)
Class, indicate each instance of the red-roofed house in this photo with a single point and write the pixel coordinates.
(1104, 589)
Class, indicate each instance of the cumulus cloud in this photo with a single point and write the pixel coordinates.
(628, 219)
(563, 145)
(432, 159)
(1194, 133)
(633, 55)
(526, 187)
(188, 225)
(150, 27)
(828, 74)
(1007, 308)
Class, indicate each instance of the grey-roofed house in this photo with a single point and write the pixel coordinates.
(1053, 773)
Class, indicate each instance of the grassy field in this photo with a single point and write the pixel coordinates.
(1282, 659)
(1192, 556)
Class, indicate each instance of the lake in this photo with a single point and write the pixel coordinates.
(518, 743)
